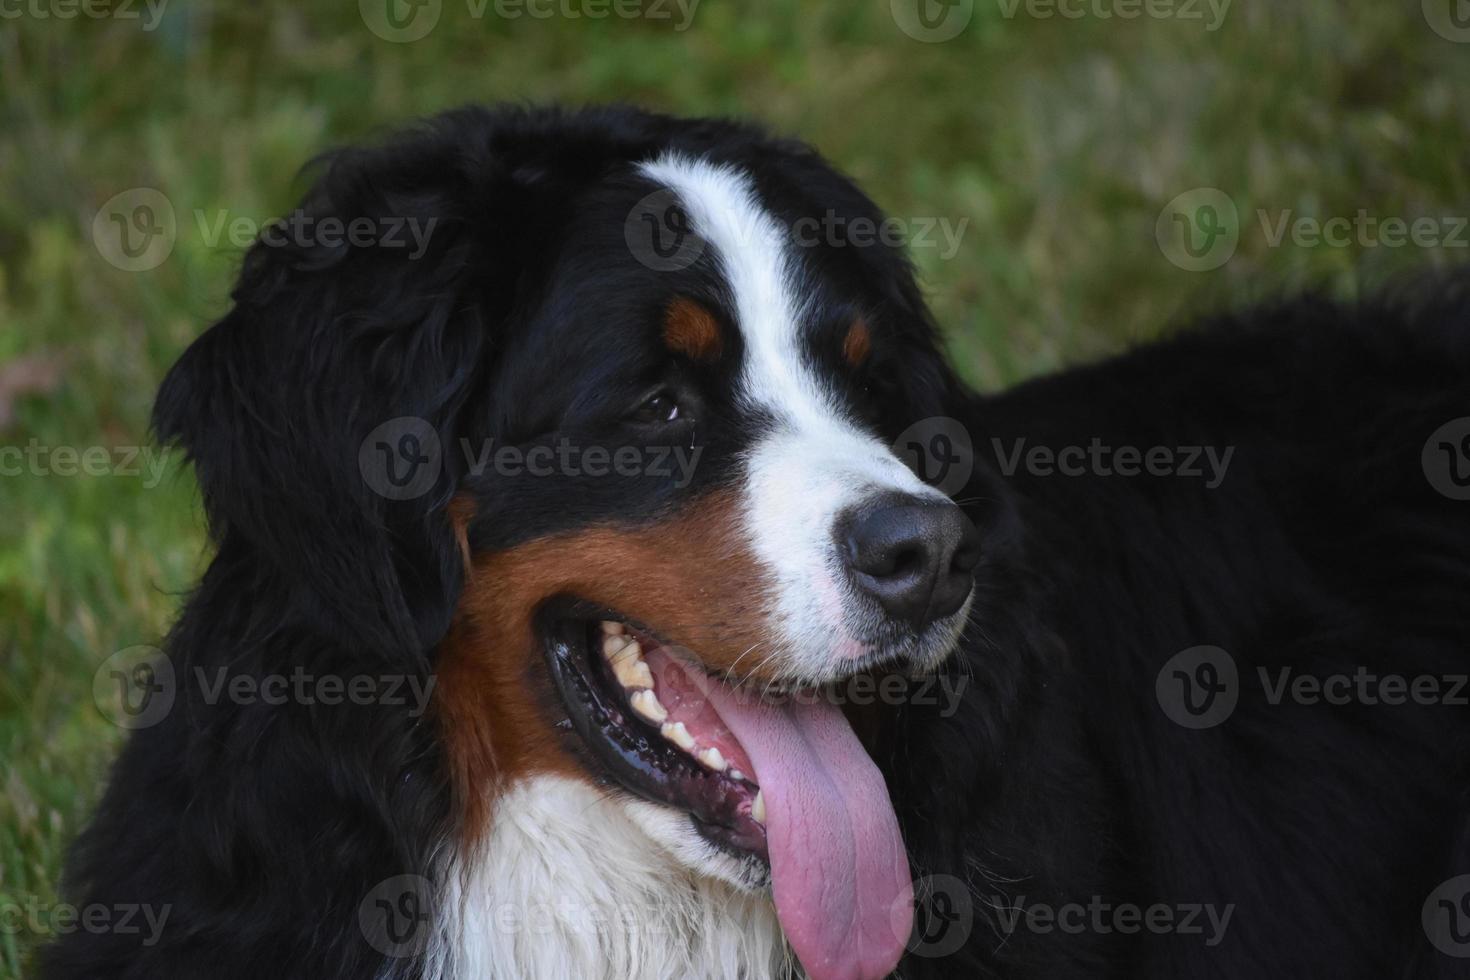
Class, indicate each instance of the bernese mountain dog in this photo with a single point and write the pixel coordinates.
(750, 642)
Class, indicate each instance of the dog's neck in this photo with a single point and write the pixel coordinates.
(566, 885)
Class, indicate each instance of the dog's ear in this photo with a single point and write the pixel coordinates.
(322, 412)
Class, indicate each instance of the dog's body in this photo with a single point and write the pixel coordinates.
(1324, 819)
(1296, 527)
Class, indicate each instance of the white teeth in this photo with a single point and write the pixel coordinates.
(676, 732)
(626, 658)
(632, 672)
(647, 705)
(758, 808)
(615, 646)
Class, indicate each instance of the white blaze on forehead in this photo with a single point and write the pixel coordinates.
(763, 278)
(814, 463)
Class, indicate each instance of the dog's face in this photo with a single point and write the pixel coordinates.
(667, 472)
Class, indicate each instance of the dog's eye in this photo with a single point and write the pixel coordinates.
(659, 410)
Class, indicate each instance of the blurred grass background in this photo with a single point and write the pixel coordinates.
(1056, 141)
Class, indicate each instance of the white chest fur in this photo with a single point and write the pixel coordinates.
(571, 885)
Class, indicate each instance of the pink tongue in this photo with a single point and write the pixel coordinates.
(838, 866)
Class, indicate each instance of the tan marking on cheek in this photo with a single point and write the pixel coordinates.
(689, 578)
(693, 331)
(857, 344)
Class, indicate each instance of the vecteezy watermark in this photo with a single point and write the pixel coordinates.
(1210, 12)
(135, 230)
(134, 688)
(137, 687)
(38, 459)
(943, 691)
(1207, 463)
(932, 21)
(915, 233)
(150, 12)
(939, 690)
(1101, 917)
(1198, 687)
(1364, 686)
(1450, 19)
(1201, 229)
(943, 916)
(1446, 459)
(403, 458)
(403, 21)
(566, 458)
(1201, 687)
(396, 915)
(304, 230)
(1363, 230)
(939, 451)
(660, 234)
(1446, 917)
(303, 687)
(44, 919)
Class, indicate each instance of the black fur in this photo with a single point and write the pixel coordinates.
(1325, 549)
(1060, 778)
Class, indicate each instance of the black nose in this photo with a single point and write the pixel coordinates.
(915, 556)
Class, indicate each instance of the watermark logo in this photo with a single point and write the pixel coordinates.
(38, 459)
(660, 235)
(1199, 687)
(149, 11)
(1450, 19)
(1446, 459)
(135, 230)
(1199, 229)
(1101, 917)
(47, 920)
(1363, 230)
(1446, 917)
(395, 917)
(1181, 10)
(409, 233)
(567, 458)
(932, 21)
(1206, 463)
(939, 451)
(401, 459)
(135, 687)
(943, 916)
(917, 233)
(1364, 686)
(400, 21)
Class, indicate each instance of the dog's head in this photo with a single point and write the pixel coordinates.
(593, 416)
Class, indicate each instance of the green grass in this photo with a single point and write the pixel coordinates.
(1056, 141)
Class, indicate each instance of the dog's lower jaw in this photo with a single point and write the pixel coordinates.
(571, 881)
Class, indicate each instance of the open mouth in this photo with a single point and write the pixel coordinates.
(780, 782)
(646, 717)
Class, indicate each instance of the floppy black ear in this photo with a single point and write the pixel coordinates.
(287, 406)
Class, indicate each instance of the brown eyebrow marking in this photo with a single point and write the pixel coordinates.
(692, 330)
(858, 343)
